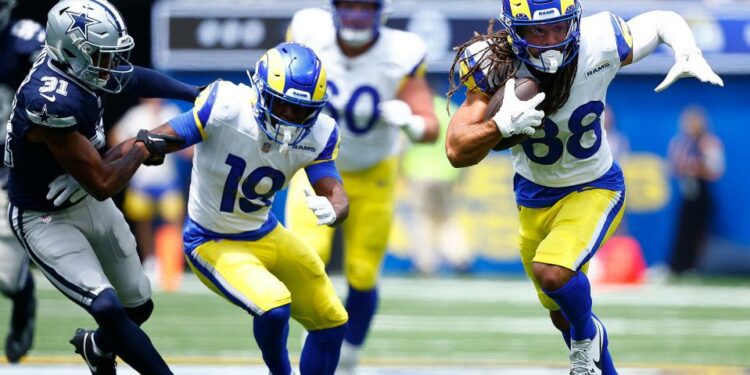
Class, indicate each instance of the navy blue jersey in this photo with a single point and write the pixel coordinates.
(20, 43)
(49, 98)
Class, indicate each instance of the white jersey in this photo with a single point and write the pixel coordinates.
(572, 148)
(357, 85)
(237, 169)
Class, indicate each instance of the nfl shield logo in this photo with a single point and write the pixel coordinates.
(46, 219)
(266, 147)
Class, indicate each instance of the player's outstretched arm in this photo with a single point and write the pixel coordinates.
(180, 132)
(469, 138)
(147, 83)
(82, 161)
(328, 201)
(653, 28)
(158, 142)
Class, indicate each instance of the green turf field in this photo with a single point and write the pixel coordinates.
(449, 322)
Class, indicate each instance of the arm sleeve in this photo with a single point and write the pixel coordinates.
(653, 28)
(320, 170)
(147, 83)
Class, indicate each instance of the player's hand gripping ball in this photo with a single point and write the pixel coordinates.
(526, 89)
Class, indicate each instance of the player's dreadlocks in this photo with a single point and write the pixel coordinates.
(500, 60)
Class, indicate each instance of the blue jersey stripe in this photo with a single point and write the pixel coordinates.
(196, 262)
(194, 234)
(532, 195)
(329, 152)
(605, 228)
(622, 36)
(204, 112)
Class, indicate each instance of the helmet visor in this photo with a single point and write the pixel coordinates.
(543, 37)
(356, 15)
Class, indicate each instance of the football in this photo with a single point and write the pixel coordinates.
(526, 88)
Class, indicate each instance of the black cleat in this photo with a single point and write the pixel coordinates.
(21, 334)
(83, 340)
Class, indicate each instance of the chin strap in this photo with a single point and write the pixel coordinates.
(285, 142)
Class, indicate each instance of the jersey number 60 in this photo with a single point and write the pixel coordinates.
(356, 125)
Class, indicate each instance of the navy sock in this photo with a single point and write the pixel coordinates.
(271, 331)
(24, 303)
(122, 335)
(608, 365)
(574, 299)
(566, 337)
(320, 355)
(361, 306)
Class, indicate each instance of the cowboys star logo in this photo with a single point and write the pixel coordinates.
(44, 116)
(80, 22)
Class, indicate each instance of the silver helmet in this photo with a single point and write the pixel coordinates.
(90, 40)
(6, 7)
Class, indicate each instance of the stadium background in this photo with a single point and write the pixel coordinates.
(198, 41)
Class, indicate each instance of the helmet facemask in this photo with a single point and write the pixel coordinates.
(545, 58)
(285, 118)
(109, 68)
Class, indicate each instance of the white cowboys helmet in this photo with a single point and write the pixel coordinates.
(90, 40)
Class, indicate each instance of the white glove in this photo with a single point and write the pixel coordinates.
(65, 188)
(321, 207)
(517, 116)
(397, 113)
(690, 64)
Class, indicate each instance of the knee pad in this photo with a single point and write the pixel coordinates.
(106, 309)
(362, 275)
(140, 314)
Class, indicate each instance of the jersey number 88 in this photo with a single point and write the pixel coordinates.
(578, 129)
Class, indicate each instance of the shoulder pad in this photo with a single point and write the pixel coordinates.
(229, 100)
(480, 80)
(323, 127)
(407, 48)
(218, 101)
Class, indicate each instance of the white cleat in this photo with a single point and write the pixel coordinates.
(586, 355)
(348, 359)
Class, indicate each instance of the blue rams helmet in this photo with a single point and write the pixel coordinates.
(517, 14)
(291, 85)
(6, 7)
(357, 27)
